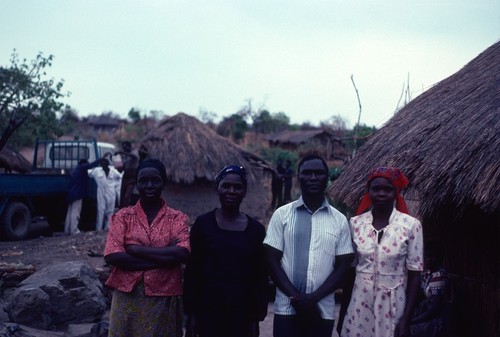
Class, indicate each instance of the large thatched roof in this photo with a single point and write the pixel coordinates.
(446, 140)
(191, 150)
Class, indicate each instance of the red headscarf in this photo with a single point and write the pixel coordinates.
(397, 179)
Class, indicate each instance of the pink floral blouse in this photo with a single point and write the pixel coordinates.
(130, 226)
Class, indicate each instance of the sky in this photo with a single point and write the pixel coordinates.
(295, 56)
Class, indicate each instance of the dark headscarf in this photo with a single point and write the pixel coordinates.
(397, 179)
(231, 169)
(154, 163)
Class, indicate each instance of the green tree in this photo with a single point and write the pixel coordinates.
(29, 101)
(266, 122)
(358, 136)
(134, 114)
(233, 126)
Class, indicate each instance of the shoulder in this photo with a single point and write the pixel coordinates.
(126, 212)
(174, 213)
(363, 219)
(206, 216)
(336, 213)
(255, 224)
(285, 212)
(405, 220)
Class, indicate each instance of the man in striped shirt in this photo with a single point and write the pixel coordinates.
(308, 250)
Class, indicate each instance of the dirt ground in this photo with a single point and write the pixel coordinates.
(43, 251)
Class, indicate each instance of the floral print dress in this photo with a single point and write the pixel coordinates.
(384, 257)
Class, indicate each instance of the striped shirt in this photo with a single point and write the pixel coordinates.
(309, 242)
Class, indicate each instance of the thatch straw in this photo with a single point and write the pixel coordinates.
(191, 150)
(11, 160)
(446, 141)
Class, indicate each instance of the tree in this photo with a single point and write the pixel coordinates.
(336, 123)
(266, 122)
(28, 98)
(234, 126)
(134, 114)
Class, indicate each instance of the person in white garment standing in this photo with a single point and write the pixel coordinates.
(107, 179)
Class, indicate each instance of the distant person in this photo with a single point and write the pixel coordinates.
(429, 316)
(277, 185)
(77, 190)
(106, 178)
(308, 249)
(226, 283)
(389, 250)
(287, 182)
(146, 245)
(130, 162)
(143, 153)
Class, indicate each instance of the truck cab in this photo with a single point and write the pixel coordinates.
(65, 155)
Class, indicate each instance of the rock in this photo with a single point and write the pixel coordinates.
(62, 294)
(17, 330)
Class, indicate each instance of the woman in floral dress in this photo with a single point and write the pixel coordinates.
(389, 250)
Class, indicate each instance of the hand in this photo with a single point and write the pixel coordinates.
(253, 330)
(191, 326)
(132, 249)
(306, 306)
(402, 328)
(173, 242)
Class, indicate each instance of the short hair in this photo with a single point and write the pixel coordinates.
(310, 157)
(154, 163)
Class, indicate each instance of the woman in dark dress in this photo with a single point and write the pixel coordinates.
(225, 282)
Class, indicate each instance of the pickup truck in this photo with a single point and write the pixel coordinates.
(41, 193)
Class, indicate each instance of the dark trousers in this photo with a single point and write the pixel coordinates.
(292, 326)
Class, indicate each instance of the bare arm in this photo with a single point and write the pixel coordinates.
(334, 280)
(128, 262)
(138, 257)
(403, 326)
(163, 256)
(278, 275)
(307, 302)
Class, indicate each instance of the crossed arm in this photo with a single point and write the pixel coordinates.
(137, 257)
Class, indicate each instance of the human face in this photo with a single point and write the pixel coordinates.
(382, 194)
(149, 183)
(313, 177)
(231, 190)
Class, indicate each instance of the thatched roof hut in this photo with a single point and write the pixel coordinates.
(193, 154)
(447, 142)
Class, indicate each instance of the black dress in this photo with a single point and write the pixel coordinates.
(225, 282)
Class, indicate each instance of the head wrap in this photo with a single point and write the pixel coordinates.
(154, 163)
(397, 179)
(231, 169)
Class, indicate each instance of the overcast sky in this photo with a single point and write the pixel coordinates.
(292, 56)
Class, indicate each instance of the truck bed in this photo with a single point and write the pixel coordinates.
(33, 184)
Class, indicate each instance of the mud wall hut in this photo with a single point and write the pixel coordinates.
(447, 142)
(193, 154)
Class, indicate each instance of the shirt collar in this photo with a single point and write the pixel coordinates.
(299, 203)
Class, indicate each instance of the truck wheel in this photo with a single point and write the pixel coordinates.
(15, 222)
